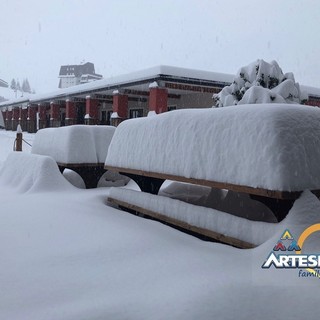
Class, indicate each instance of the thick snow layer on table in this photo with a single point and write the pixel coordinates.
(271, 146)
(253, 232)
(30, 172)
(74, 144)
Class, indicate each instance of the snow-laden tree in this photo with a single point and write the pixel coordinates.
(26, 86)
(13, 84)
(260, 82)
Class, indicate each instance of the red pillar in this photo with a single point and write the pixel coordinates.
(158, 100)
(92, 111)
(9, 120)
(4, 116)
(31, 120)
(71, 114)
(23, 118)
(42, 116)
(119, 108)
(15, 118)
(54, 114)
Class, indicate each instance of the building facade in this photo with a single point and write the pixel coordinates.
(111, 101)
(72, 75)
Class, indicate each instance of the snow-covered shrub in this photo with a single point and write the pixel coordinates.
(260, 82)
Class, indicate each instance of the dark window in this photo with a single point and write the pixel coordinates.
(103, 117)
(136, 113)
(109, 113)
(170, 108)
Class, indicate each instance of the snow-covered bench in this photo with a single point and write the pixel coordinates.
(80, 148)
(271, 151)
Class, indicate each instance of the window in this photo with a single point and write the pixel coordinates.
(136, 113)
(170, 108)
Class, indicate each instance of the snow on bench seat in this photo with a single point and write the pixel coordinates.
(78, 144)
(32, 173)
(273, 147)
(218, 225)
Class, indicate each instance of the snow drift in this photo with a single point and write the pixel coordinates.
(74, 144)
(271, 146)
(32, 173)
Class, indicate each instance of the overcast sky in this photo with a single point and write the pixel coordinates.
(121, 36)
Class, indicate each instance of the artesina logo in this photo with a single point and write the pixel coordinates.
(287, 254)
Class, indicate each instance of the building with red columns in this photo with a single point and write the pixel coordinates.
(113, 100)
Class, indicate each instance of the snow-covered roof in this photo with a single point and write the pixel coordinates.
(270, 146)
(311, 91)
(3, 83)
(150, 74)
(134, 77)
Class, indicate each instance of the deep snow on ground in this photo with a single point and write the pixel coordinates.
(66, 255)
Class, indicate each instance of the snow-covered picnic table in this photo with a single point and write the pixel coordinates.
(271, 152)
(81, 148)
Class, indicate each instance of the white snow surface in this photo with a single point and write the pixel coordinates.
(271, 146)
(74, 144)
(253, 232)
(67, 256)
(30, 172)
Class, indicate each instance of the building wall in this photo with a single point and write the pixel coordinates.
(138, 105)
(68, 82)
(195, 100)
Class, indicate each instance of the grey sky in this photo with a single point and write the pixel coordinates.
(120, 36)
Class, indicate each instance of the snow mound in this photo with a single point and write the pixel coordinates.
(260, 82)
(74, 178)
(74, 144)
(304, 213)
(32, 173)
(271, 146)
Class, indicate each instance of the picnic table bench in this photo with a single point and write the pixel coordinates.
(270, 152)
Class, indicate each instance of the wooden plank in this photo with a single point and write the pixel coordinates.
(184, 225)
(214, 184)
(80, 165)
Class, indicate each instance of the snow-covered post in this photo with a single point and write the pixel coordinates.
(9, 119)
(31, 120)
(70, 112)
(119, 107)
(15, 118)
(42, 116)
(54, 114)
(158, 99)
(19, 139)
(92, 111)
(23, 118)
